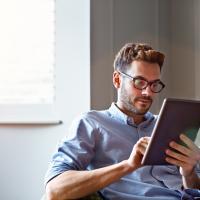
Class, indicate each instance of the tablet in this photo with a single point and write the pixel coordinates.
(176, 116)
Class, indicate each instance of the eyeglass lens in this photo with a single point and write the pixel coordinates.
(142, 84)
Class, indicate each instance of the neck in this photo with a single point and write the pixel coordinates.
(136, 118)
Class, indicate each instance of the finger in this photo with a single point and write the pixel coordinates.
(179, 157)
(180, 161)
(142, 141)
(144, 144)
(142, 149)
(145, 139)
(180, 148)
(174, 161)
(188, 142)
(141, 146)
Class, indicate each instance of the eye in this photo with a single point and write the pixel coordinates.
(156, 86)
(140, 83)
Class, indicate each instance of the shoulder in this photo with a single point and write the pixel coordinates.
(89, 121)
(92, 117)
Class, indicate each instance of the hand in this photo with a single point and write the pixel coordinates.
(186, 157)
(138, 152)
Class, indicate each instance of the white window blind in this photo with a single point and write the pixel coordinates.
(27, 51)
(27, 61)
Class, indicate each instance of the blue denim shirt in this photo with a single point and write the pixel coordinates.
(102, 138)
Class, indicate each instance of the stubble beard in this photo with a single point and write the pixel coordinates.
(129, 103)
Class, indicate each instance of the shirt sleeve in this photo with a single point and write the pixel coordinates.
(76, 151)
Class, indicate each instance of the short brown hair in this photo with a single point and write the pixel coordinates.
(137, 51)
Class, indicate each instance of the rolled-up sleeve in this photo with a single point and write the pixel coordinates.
(75, 151)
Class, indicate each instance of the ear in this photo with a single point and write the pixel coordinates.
(116, 79)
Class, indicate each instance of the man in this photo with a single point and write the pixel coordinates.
(103, 149)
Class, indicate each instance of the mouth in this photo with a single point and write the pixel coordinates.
(144, 101)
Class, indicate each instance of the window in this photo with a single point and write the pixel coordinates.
(27, 60)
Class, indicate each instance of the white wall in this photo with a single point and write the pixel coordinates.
(182, 49)
(172, 26)
(101, 53)
(26, 149)
(114, 23)
(197, 47)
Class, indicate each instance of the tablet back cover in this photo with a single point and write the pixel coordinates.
(176, 116)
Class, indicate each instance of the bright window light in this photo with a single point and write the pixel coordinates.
(27, 51)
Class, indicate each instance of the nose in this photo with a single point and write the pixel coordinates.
(147, 91)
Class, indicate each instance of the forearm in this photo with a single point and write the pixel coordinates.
(76, 184)
(191, 181)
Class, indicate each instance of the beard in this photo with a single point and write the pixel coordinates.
(131, 103)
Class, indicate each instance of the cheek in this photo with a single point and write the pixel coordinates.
(129, 90)
(134, 92)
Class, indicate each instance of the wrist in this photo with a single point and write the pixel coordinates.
(187, 174)
(128, 166)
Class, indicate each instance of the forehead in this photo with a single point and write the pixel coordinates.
(150, 71)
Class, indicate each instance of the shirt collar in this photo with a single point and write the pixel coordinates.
(119, 115)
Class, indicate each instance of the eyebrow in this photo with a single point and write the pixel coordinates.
(133, 77)
(145, 78)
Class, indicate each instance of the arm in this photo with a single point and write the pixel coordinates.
(186, 159)
(77, 184)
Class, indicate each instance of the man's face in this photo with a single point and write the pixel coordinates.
(133, 100)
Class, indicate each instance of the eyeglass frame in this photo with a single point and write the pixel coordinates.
(149, 83)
